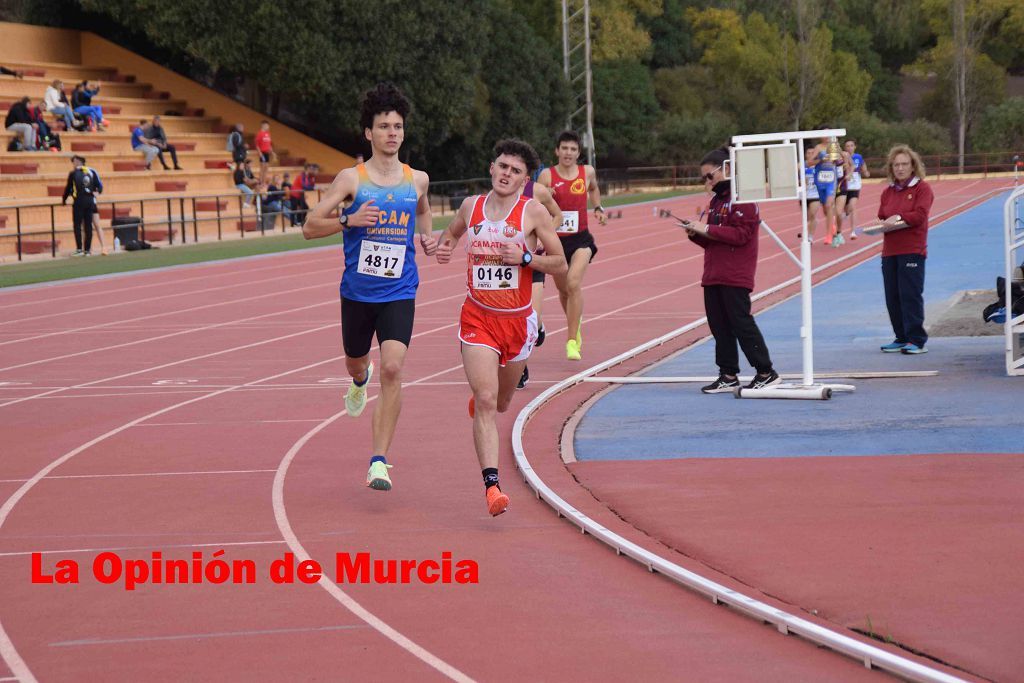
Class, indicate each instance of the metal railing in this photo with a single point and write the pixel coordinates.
(171, 220)
(176, 216)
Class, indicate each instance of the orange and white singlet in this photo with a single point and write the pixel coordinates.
(501, 290)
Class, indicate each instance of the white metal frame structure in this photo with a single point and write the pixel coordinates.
(576, 58)
(1013, 212)
(762, 169)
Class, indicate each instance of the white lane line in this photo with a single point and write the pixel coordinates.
(785, 622)
(137, 474)
(203, 636)
(80, 283)
(176, 296)
(163, 547)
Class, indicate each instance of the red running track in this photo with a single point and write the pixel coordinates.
(198, 409)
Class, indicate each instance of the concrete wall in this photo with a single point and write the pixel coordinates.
(24, 43)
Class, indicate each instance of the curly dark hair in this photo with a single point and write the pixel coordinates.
(518, 148)
(381, 99)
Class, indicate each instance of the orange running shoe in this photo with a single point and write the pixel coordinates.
(497, 502)
(472, 407)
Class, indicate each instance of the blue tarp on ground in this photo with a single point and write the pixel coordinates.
(971, 406)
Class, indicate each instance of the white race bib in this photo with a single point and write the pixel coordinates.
(826, 176)
(380, 259)
(570, 223)
(495, 276)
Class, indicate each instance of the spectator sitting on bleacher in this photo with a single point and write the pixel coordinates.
(141, 143)
(53, 104)
(306, 181)
(46, 139)
(287, 203)
(245, 181)
(9, 72)
(273, 204)
(81, 103)
(158, 138)
(19, 121)
(236, 144)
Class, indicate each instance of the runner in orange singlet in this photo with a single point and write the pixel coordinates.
(572, 184)
(498, 327)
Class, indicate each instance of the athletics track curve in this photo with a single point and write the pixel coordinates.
(164, 430)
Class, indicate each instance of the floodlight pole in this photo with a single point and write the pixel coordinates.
(807, 321)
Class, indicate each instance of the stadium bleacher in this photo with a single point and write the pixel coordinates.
(196, 121)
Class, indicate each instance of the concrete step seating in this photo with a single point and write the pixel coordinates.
(31, 183)
(203, 180)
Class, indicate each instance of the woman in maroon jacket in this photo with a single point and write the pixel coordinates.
(904, 210)
(729, 240)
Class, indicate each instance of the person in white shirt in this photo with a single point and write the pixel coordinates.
(52, 103)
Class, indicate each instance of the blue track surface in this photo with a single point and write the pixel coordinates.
(970, 407)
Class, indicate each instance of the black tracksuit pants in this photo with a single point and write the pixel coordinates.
(728, 311)
(81, 214)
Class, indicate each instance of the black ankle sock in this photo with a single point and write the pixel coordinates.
(490, 477)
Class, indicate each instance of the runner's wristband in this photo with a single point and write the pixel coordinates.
(598, 208)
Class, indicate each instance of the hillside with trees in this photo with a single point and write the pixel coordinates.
(672, 78)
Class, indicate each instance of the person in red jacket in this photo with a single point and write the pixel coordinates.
(904, 210)
(729, 240)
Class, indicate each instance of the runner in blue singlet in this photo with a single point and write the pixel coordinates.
(380, 204)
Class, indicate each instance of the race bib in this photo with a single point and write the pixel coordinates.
(380, 259)
(826, 176)
(570, 223)
(495, 276)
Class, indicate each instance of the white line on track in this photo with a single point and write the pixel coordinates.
(78, 283)
(144, 548)
(137, 474)
(201, 636)
(176, 296)
(7, 649)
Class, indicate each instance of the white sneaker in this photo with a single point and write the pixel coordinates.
(355, 399)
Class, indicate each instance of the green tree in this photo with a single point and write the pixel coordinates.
(685, 139)
(625, 111)
(617, 34)
(683, 89)
(1001, 127)
(774, 79)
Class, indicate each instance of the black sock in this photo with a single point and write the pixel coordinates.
(490, 477)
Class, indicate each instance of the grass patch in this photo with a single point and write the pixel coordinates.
(50, 270)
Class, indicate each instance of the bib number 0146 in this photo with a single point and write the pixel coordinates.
(495, 277)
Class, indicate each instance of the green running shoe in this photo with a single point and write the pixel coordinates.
(377, 477)
(355, 399)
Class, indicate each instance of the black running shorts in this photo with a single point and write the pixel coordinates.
(360, 320)
(580, 240)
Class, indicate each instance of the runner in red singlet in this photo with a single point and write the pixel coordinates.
(572, 184)
(498, 327)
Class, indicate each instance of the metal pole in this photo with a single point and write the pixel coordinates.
(53, 232)
(565, 51)
(184, 225)
(589, 81)
(17, 220)
(217, 204)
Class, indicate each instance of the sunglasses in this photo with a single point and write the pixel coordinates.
(708, 177)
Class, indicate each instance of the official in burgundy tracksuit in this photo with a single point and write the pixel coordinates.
(729, 240)
(907, 201)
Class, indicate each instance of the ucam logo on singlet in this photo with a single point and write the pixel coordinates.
(579, 186)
